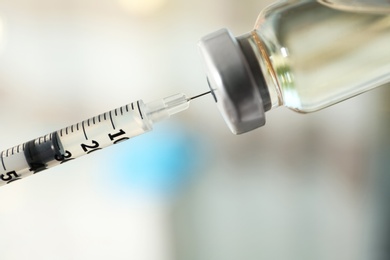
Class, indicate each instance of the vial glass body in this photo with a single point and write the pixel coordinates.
(314, 56)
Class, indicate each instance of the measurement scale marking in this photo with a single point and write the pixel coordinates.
(139, 110)
(127, 108)
(121, 111)
(85, 134)
(112, 122)
(2, 160)
(132, 106)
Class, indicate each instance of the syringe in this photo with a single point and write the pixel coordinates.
(87, 136)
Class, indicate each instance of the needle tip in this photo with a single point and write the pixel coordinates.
(200, 95)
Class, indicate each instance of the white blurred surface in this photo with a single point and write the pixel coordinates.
(295, 189)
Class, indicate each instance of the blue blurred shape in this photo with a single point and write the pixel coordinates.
(160, 161)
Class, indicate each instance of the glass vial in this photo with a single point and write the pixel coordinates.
(302, 54)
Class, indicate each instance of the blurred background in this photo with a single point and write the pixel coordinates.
(302, 187)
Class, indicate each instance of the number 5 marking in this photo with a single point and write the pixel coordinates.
(10, 177)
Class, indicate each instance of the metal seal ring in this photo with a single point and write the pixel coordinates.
(232, 82)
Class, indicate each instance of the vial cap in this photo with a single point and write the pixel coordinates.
(232, 82)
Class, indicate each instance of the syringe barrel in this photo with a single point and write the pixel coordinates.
(86, 137)
(73, 141)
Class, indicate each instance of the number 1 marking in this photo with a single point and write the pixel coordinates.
(116, 135)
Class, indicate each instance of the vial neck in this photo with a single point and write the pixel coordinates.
(261, 68)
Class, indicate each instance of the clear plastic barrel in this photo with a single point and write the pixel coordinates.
(319, 56)
(86, 137)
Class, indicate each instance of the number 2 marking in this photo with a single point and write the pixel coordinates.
(90, 148)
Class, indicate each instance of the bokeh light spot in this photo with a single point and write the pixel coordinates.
(142, 7)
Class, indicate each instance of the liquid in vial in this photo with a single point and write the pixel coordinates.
(320, 56)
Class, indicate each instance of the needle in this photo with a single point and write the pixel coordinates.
(200, 95)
